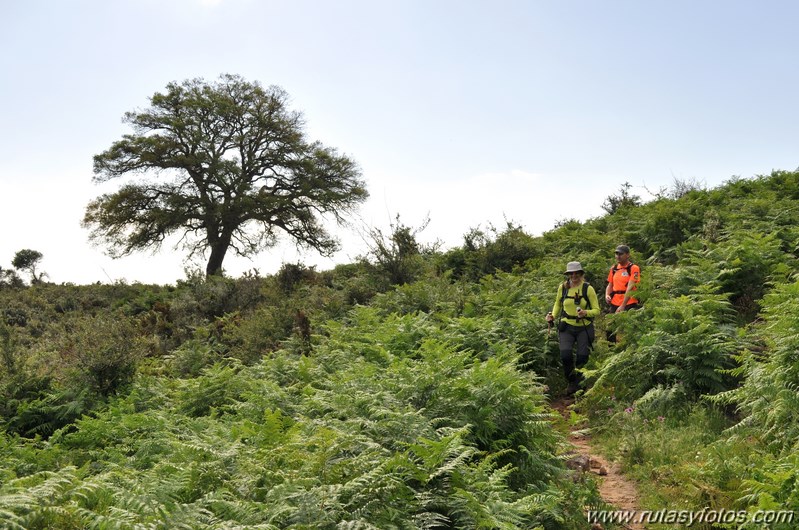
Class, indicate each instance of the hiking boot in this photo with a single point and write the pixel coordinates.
(573, 387)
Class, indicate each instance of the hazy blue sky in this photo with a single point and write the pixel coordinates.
(470, 111)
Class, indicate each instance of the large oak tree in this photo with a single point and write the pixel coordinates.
(227, 166)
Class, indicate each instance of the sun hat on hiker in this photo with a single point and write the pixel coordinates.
(573, 266)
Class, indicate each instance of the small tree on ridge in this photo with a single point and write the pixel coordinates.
(27, 260)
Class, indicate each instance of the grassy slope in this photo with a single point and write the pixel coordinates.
(208, 407)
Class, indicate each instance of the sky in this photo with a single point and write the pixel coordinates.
(473, 113)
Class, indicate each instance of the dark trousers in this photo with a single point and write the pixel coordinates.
(583, 336)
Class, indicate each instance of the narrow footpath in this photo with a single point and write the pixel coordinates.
(615, 488)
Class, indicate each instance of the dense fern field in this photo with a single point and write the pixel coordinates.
(385, 417)
(412, 389)
(384, 426)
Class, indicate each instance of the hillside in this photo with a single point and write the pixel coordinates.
(413, 389)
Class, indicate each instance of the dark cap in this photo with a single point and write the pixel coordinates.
(624, 249)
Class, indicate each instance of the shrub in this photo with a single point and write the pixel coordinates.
(214, 296)
(398, 255)
(100, 353)
(490, 252)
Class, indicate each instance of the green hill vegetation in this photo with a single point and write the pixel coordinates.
(411, 389)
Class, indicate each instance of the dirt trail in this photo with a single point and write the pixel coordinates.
(615, 488)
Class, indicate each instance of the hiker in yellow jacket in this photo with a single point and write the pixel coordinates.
(578, 303)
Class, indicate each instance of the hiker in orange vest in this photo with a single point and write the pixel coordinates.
(577, 305)
(622, 280)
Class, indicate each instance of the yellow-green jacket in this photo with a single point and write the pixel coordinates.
(570, 309)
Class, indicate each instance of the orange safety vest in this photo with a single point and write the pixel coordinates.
(619, 278)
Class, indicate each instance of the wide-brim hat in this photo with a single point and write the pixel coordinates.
(573, 266)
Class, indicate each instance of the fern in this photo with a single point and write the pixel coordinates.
(396, 419)
(769, 394)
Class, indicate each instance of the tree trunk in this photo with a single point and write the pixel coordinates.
(218, 251)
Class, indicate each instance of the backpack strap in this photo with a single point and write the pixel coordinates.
(628, 268)
(616, 268)
(564, 290)
(585, 295)
(577, 298)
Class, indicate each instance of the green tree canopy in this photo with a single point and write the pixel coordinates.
(9, 278)
(27, 260)
(230, 168)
